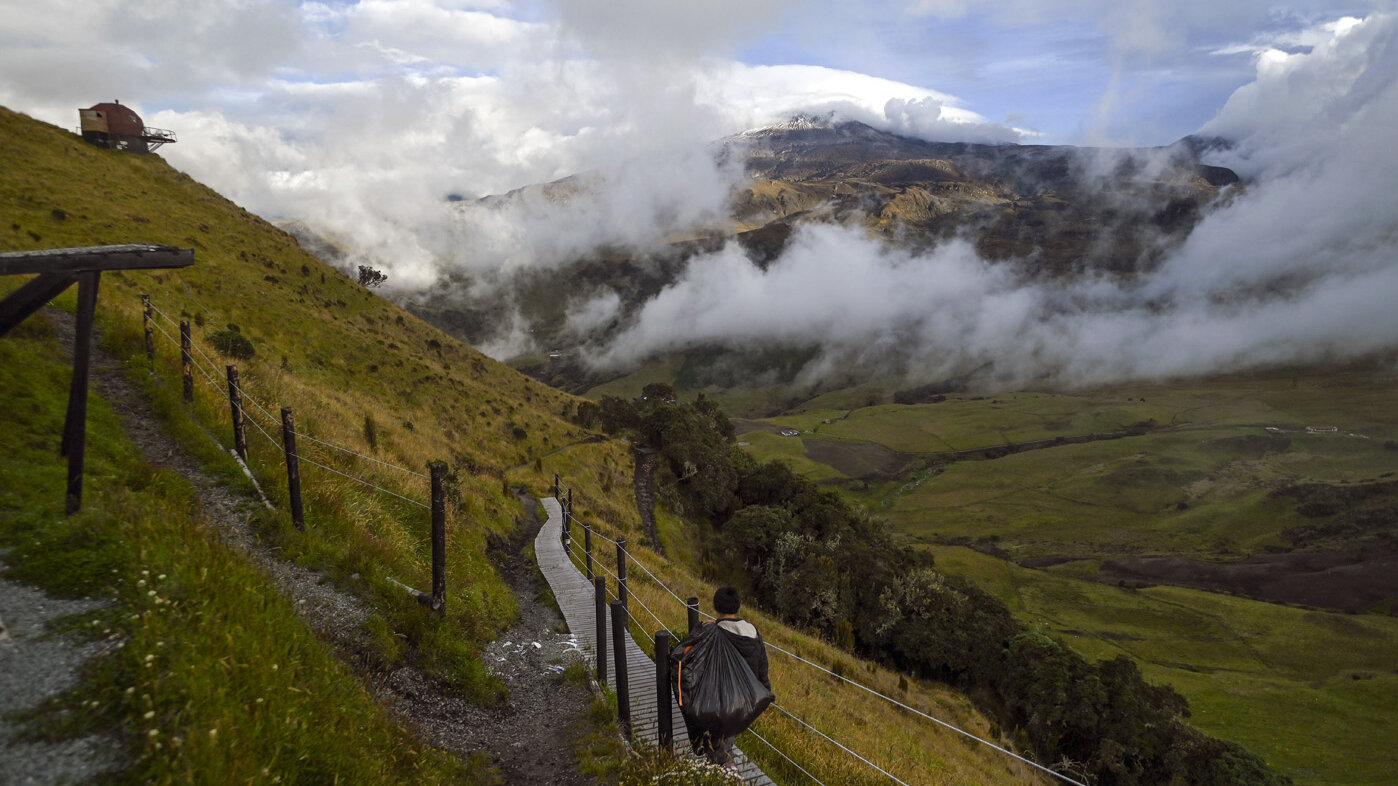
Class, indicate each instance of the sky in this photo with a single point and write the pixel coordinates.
(360, 118)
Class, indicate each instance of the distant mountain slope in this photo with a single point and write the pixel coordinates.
(1047, 213)
(1059, 210)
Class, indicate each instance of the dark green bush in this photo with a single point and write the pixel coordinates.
(231, 342)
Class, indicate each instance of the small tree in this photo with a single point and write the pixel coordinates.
(370, 277)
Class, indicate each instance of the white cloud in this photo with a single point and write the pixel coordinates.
(1301, 266)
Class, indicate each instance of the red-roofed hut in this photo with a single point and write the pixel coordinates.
(116, 127)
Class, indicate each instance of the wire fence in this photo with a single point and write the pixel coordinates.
(574, 552)
(634, 562)
(198, 354)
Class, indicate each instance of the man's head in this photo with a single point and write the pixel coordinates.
(726, 601)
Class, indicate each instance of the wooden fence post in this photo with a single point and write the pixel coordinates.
(621, 570)
(691, 607)
(567, 528)
(556, 492)
(186, 361)
(293, 469)
(75, 424)
(587, 547)
(600, 597)
(663, 713)
(146, 316)
(623, 685)
(235, 401)
(438, 470)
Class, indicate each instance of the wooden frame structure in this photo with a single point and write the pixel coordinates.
(57, 269)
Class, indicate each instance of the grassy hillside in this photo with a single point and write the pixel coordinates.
(359, 373)
(1204, 494)
(1311, 690)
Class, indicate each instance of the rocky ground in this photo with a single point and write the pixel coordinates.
(527, 738)
(36, 665)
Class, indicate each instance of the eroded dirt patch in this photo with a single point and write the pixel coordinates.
(1354, 579)
(864, 460)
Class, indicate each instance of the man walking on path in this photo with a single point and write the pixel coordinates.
(748, 642)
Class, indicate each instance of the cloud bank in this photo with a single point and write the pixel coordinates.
(362, 118)
(1301, 266)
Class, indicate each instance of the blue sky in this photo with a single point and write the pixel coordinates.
(359, 118)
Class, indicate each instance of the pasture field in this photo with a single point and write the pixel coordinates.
(1206, 471)
(1310, 691)
(1188, 468)
(766, 447)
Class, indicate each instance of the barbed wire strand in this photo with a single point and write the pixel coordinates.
(251, 400)
(572, 547)
(662, 584)
(361, 455)
(923, 714)
(890, 775)
(630, 595)
(269, 437)
(188, 292)
(221, 392)
(365, 482)
(580, 523)
(195, 346)
(780, 753)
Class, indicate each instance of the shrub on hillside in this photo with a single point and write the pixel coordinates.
(230, 342)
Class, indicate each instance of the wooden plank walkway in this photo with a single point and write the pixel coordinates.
(576, 597)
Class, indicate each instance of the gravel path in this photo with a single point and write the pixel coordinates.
(36, 665)
(527, 738)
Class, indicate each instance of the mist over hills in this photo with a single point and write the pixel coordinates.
(837, 188)
(851, 252)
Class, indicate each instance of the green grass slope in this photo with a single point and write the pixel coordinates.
(217, 681)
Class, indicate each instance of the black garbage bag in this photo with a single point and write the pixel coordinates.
(717, 692)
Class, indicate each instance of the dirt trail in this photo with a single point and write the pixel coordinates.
(527, 737)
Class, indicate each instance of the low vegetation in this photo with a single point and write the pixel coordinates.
(805, 555)
(208, 669)
(1206, 484)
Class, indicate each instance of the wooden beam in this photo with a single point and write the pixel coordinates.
(75, 425)
(78, 260)
(19, 304)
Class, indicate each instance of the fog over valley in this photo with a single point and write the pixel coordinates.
(470, 153)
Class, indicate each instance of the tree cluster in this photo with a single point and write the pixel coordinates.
(806, 555)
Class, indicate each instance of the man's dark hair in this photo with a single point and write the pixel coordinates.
(726, 600)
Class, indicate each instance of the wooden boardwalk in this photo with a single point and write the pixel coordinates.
(576, 597)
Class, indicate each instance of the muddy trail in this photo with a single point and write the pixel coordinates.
(526, 737)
